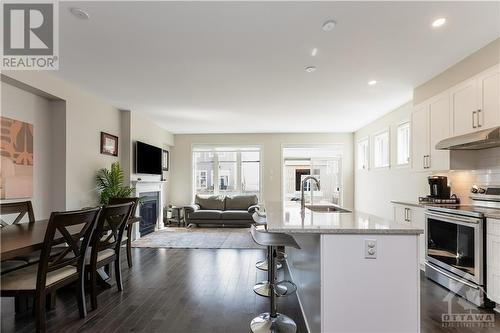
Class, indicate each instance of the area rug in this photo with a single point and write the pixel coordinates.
(199, 238)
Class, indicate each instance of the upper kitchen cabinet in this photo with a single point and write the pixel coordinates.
(475, 103)
(489, 98)
(439, 109)
(431, 124)
(420, 137)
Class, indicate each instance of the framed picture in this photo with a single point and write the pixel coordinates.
(164, 160)
(109, 144)
(16, 149)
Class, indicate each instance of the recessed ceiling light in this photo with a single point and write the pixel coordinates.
(80, 13)
(438, 22)
(314, 52)
(372, 82)
(329, 25)
(310, 69)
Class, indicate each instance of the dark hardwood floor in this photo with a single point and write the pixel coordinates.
(198, 291)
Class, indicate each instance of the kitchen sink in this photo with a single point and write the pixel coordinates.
(327, 209)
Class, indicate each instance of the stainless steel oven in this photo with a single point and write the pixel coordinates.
(455, 251)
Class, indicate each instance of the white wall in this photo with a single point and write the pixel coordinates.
(136, 127)
(28, 107)
(482, 59)
(180, 188)
(375, 188)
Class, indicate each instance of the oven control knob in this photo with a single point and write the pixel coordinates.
(474, 189)
(481, 190)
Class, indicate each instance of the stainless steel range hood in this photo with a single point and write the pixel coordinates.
(488, 138)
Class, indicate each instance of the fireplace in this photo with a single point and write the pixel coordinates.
(149, 209)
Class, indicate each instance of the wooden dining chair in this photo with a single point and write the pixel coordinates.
(106, 245)
(20, 208)
(128, 238)
(53, 272)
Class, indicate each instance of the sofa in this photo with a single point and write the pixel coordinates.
(219, 210)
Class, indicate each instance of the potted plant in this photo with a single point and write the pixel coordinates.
(110, 184)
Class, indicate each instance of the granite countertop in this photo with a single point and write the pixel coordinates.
(489, 212)
(287, 218)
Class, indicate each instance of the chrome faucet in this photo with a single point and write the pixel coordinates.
(304, 181)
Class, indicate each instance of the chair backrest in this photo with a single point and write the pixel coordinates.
(21, 208)
(73, 228)
(134, 200)
(109, 228)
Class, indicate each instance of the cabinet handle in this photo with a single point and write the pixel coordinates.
(428, 161)
(478, 118)
(407, 214)
(474, 119)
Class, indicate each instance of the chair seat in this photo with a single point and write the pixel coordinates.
(10, 265)
(25, 278)
(34, 256)
(100, 256)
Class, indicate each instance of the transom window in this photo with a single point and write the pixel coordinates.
(381, 149)
(363, 155)
(226, 170)
(403, 144)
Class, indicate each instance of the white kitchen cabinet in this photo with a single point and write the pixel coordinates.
(475, 103)
(493, 259)
(489, 98)
(415, 216)
(431, 124)
(439, 122)
(420, 137)
(464, 107)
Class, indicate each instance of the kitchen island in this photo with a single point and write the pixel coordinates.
(355, 272)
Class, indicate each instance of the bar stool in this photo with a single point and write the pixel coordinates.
(260, 220)
(273, 321)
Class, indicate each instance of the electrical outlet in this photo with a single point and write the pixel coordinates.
(370, 249)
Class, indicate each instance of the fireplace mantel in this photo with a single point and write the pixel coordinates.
(143, 186)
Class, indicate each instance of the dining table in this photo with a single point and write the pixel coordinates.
(23, 238)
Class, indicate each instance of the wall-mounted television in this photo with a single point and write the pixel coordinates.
(148, 159)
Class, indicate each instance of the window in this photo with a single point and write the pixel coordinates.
(403, 144)
(363, 155)
(226, 170)
(202, 179)
(381, 150)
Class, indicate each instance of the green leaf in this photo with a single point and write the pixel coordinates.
(110, 184)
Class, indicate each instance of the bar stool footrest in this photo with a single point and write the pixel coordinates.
(282, 288)
(263, 266)
(264, 323)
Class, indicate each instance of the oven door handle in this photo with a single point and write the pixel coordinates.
(459, 220)
(467, 283)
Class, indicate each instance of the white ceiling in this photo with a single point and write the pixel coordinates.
(198, 67)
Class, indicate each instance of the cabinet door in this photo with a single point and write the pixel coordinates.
(464, 107)
(418, 221)
(420, 137)
(493, 260)
(439, 130)
(489, 98)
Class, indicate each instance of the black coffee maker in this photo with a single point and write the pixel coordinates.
(439, 187)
